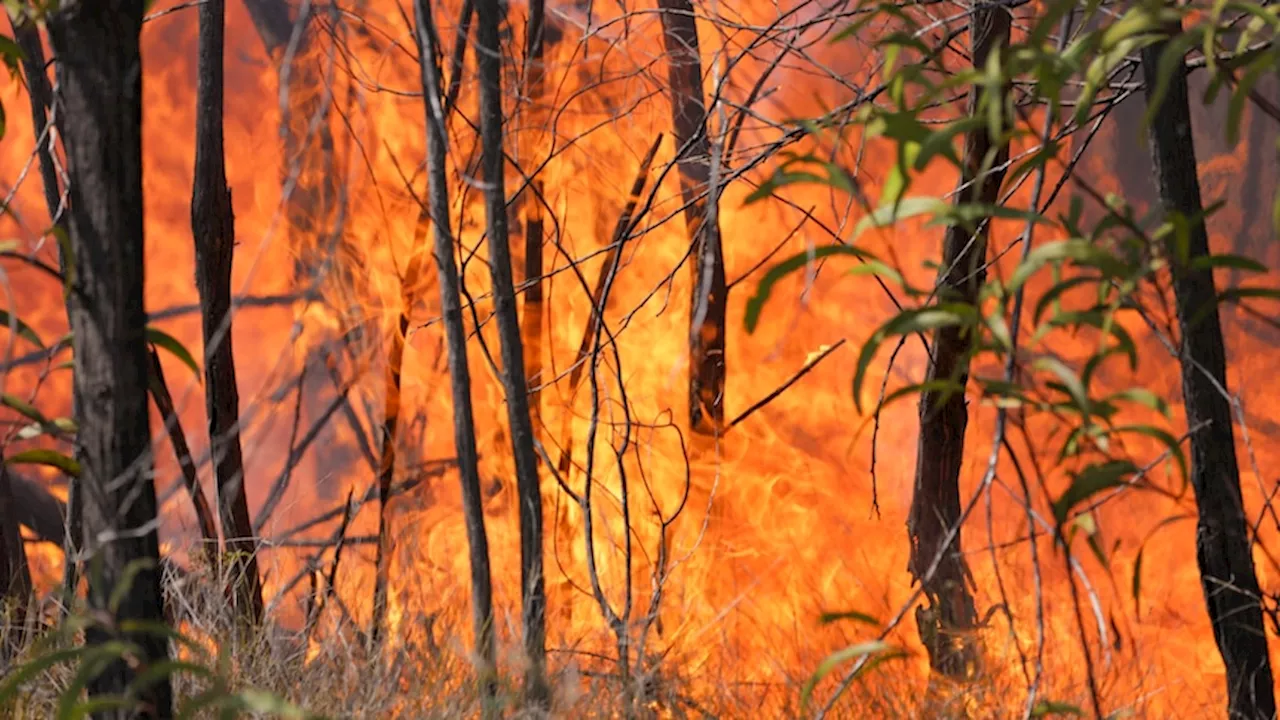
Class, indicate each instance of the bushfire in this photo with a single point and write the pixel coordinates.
(725, 567)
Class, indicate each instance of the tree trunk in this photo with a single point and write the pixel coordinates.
(1223, 547)
(15, 576)
(101, 89)
(946, 625)
(534, 231)
(213, 227)
(533, 589)
(390, 421)
(27, 36)
(708, 302)
(464, 434)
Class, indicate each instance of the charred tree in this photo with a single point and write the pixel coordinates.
(100, 76)
(1223, 546)
(534, 230)
(27, 35)
(947, 624)
(708, 302)
(464, 434)
(15, 575)
(529, 494)
(213, 227)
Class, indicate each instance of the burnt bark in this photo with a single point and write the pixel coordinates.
(946, 625)
(709, 294)
(534, 230)
(533, 587)
(27, 35)
(213, 227)
(205, 517)
(464, 434)
(100, 76)
(15, 576)
(1223, 547)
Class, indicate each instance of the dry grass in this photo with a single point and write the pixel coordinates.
(428, 675)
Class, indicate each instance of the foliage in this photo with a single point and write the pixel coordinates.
(58, 648)
(1089, 279)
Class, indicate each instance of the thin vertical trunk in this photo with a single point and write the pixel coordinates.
(205, 516)
(1223, 548)
(213, 227)
(708, 302)
(100, 72)
(464, 434)
(15, 576)
(391, 421)
(947, 624)
(533, 589)
(27, 35)
(534, 232)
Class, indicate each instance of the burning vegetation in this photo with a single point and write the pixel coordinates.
(433, 359)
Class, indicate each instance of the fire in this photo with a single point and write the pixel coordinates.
(750, 539)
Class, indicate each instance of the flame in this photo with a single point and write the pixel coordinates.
(778, 522)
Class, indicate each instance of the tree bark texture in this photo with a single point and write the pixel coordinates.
(534, 230)
(1223, 547)
(101, 91)
(464, 434)
(15, 576)
(533, 587)
(213, 227)
(27, 35)
(205, 516)
(709, 295)
(947, 623)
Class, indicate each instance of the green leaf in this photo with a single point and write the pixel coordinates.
(1143, 397)
(906, 208)
(1237, 294)
(44, 456)
(1226, 260)
(784, 268)
(161, 339)
(1076, 249)
(1046, 708)
(1172, 445)
(861, 617)
(906, 322)
(1092, 480)
(1070, 381)
(24, 408)
(18, 677)
(853, 652)
(23, 330)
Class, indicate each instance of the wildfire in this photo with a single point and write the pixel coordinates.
(744, 542)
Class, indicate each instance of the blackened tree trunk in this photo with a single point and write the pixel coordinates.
(534, 230)
(533, 587)
(1223, 548)
(100, 76)
(213, 227)
(946, 626)
(464, 434)
(709, 297)
(27, 35)
(15, 575)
